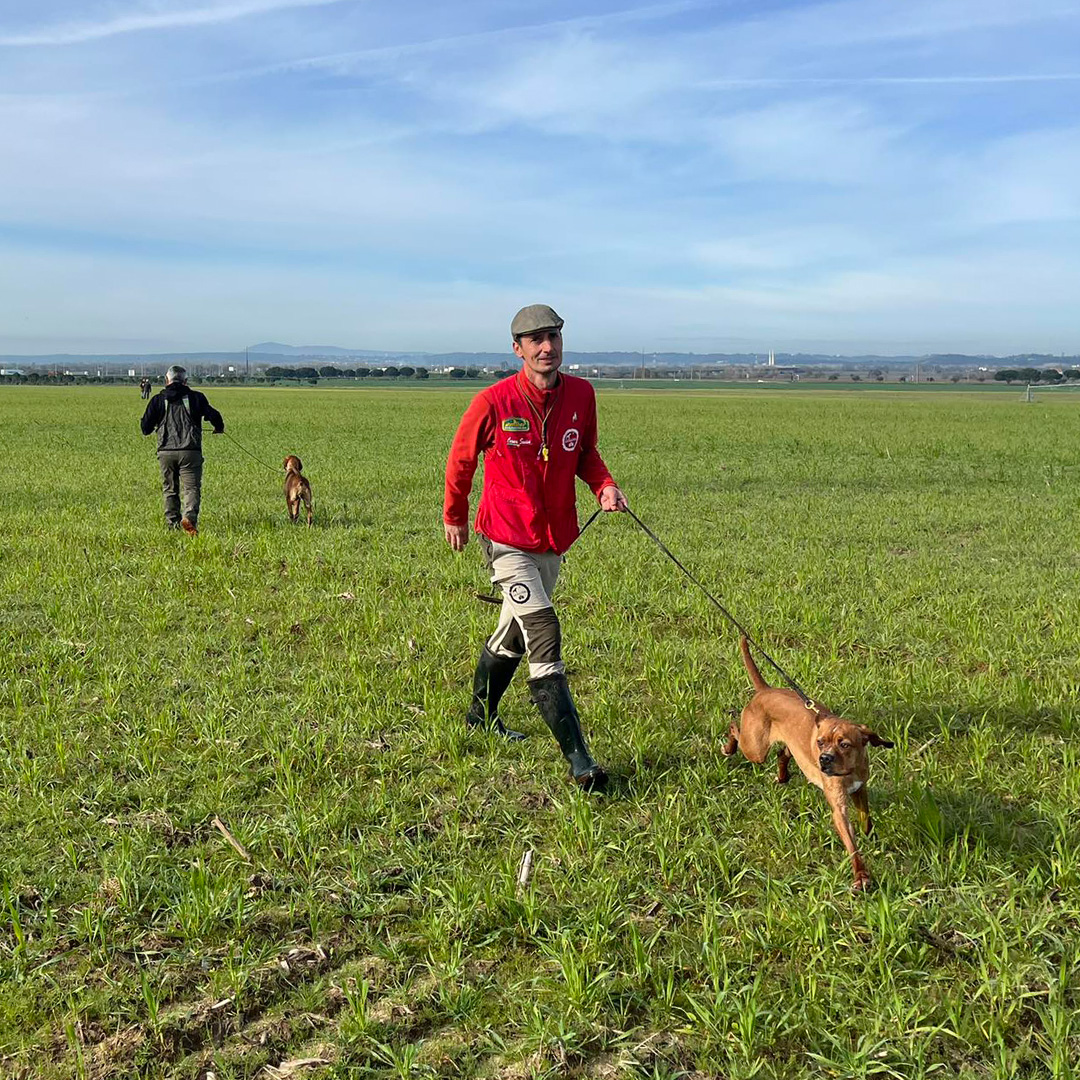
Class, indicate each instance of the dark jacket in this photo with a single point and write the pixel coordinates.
(177, 414)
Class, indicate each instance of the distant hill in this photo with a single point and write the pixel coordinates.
(275, 348)
(269, 353)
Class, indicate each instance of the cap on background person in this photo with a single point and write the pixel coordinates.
(533, 318)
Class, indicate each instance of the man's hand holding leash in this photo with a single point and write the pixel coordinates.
(612, 499)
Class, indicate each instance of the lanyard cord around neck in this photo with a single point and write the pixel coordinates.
(542, 420)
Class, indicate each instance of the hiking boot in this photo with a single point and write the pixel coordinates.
(551, 695)
(189, 527)
(493, 675)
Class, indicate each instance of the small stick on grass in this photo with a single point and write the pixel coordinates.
(525, 870)
(236, 845)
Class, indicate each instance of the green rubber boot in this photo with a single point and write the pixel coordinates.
(493, 675)
(551, 695)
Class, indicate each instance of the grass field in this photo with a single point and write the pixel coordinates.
(911, 558)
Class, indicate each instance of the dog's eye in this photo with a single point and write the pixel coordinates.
(844, 744)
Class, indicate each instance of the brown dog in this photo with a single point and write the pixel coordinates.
(830, 751)
(297, 488)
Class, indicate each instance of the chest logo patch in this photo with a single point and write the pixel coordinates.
(515, 423)
(570, 438)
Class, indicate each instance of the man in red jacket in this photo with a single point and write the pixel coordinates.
(537, 432)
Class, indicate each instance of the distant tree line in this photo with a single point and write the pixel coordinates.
(1035, 375)
(61, 378)
(272, 374)
(311, 374)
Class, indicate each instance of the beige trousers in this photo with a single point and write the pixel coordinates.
(527, 620)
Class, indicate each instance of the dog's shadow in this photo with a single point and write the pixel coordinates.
(984, 826)
(944, 812)
(930, 722)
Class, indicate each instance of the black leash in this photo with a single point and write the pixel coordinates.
(596, 513)
(495, 600)
(250, 454)
(806, 699)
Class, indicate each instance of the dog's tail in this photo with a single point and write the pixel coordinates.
(751, 667)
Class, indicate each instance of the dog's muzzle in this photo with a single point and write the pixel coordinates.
(827, 761)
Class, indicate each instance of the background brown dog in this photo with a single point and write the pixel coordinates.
(297, 488)
(830, 751)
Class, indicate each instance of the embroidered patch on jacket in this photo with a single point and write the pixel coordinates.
(518, 442)
(519, 592)
(515, 423)
(570, 438)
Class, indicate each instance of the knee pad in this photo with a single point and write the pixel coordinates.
(543, 636)
(509, 643)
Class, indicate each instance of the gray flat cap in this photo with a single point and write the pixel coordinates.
(535, 317)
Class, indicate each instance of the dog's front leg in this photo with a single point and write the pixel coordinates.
(862, 805)
(838, 801)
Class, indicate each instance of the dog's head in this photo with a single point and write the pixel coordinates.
(293, 464)
(841, 745)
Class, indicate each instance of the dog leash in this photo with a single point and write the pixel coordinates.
(806, 699)
(488, 599)
(250, 454)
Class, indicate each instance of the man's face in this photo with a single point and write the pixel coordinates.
(540, 351)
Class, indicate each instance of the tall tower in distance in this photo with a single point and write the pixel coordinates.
(772, 359)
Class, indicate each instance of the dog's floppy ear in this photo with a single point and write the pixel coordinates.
(873, 738)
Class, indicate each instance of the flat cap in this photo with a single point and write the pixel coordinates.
(535, 317)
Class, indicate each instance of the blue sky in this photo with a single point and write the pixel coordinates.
(899, 177)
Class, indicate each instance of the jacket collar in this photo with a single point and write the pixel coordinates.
(536, 396)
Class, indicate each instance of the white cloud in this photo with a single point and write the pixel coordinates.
(154, 18)
(816, 168)
(825, 140)
(1029, 178)
(782, 249)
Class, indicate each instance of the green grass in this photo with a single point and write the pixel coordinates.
(911, 558)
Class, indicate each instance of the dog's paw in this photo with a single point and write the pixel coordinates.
(861, 884)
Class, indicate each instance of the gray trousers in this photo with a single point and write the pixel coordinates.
(527, 622)
(181, 470)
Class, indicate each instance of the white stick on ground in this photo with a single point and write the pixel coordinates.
(525, 870)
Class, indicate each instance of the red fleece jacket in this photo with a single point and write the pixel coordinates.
(534, 442)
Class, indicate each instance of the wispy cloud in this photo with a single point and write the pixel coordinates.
(689, 171)
(885, 80)
(74, 33)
